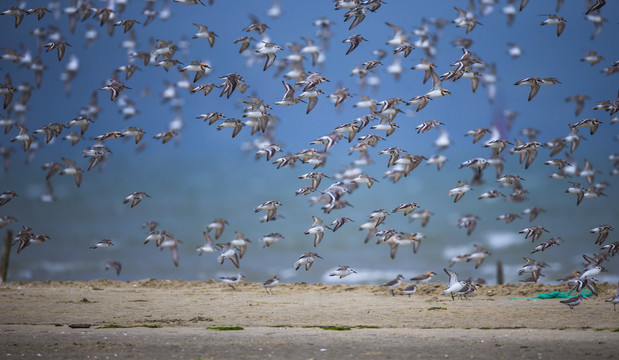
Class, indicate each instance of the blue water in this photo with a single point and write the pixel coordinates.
(208, 175)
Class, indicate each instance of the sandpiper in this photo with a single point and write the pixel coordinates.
(232, 279)
(423, 278)
(105, 243)
(306, 259)
(394, 283)
(270, 284)
(228, 252)
(614, 300)
(455, 286)
(460, 189)
(207, 247)
(573, 301)
(135, 198)
(343, 271)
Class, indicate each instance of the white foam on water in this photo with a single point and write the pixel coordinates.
(451, 251)
(502, 240)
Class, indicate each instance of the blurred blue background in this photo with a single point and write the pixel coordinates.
(206, 174)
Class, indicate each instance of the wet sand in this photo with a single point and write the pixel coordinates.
(191, 320)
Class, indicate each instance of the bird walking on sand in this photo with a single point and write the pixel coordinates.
(573, 301)
(614, 300)
(270, 284)
(394, 283)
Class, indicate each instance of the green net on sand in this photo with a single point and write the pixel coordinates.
(558, 295)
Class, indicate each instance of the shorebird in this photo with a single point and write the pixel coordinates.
(306, 259)
(127, 24)
(533, 267)
(268, 151)
(270, 239)
(26, 138)
(105, 243)
(6, 196)
(460, 189)
(514, 50)
(231, 82)
(534, 83)
(240, 243)
(59, 46)
(479, 255)
(455, 285)
(391, 285)
(526, 151)
(547, 244)
(6, 219)
(357, 14)
(614, 300)
(26, 238)
(612, 248)
(315, 177)
(270, 284)
(268, 49)
(339, 222)
(406, 208)
(437, 89)
(208, 246)
(579, 99)
(354, 41)
(71, 169)
(114, 87)
(205, 33)
(478, 133)
(317, 229)
(573, 301)
(602, 231)
(135, 198)
(199, 67)
(423, 215)
(235, 124)
(311, 48)
(206, 89)
(218, 225)
(228, 252)
(427, 125)
(289, 98)
(591, 123)
(508, 217)
(232, 279)
(343, 271)
(410, 289)
(156, 236)
(117, 266)
(465, 19)
(16, 12)
(423, 278)
(533, 232)
(394, 240)
(553, 19)
(469, 222)
(312, 97)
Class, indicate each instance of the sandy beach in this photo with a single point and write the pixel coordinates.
(208, 320)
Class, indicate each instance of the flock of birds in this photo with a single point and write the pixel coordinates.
(295, 65)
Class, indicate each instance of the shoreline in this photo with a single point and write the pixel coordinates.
(179, 303)
(195, 319)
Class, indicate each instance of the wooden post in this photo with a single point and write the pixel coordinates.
(499, 272)
(6, 251)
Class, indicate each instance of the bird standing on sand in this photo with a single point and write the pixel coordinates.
(270, 284)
